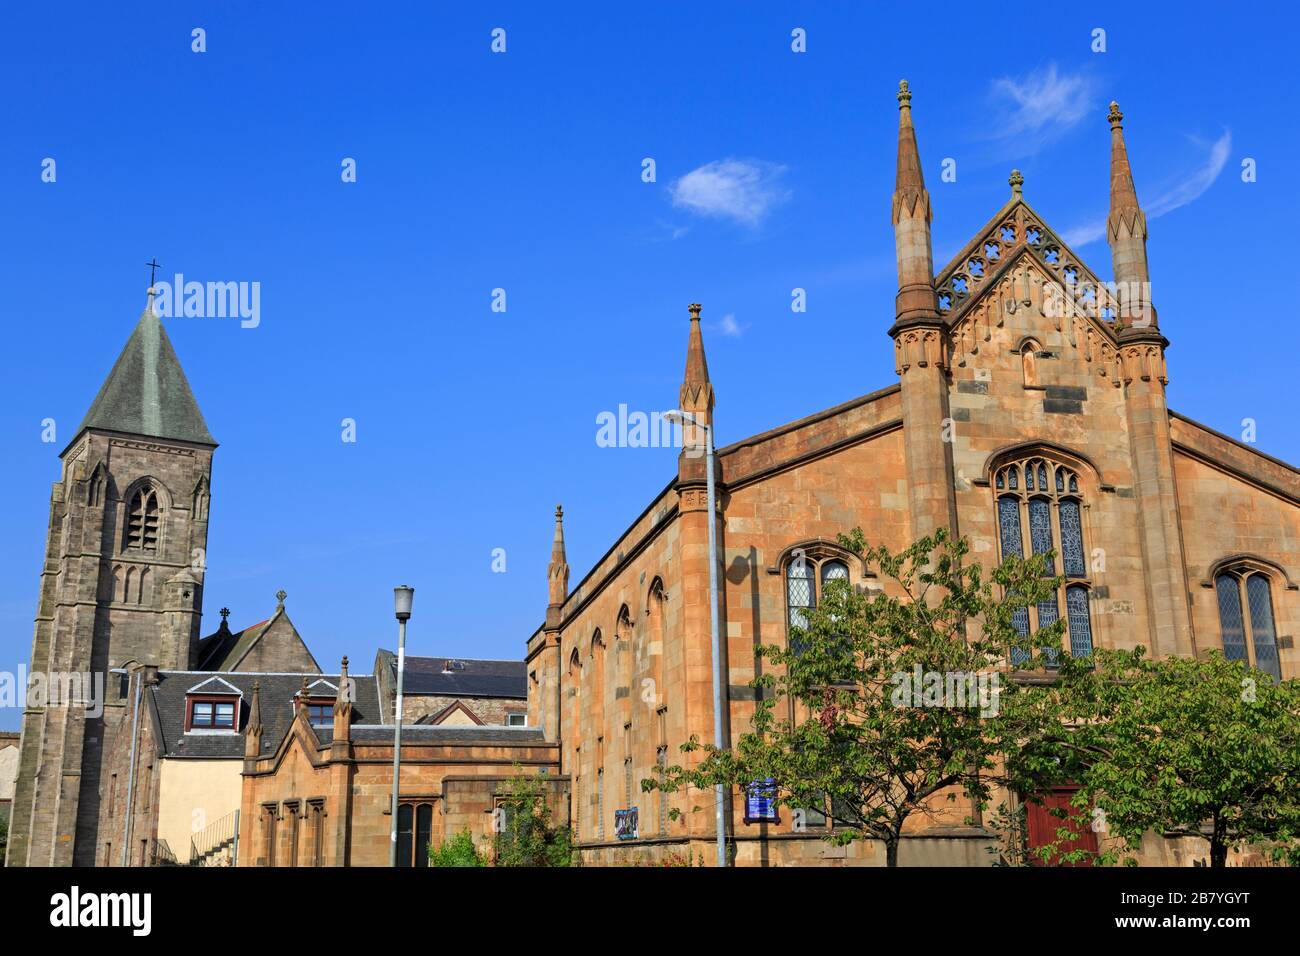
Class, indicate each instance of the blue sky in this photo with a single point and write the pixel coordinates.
(523, 171)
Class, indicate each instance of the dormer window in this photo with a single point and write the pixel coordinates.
(320, 713)
(212, 707)
(321, 696)
(211, 712)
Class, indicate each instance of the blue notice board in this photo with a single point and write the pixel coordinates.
(760, 801)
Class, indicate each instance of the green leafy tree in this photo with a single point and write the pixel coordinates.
(1195, 747)
(1011, 824)
(524, 834)
(458, 851)
(889, 701)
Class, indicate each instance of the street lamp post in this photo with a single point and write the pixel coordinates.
(686, 418)
(402, 597)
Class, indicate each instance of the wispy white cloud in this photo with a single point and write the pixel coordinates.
(1191, 187)
(742, 190)
(666, 231)
(1188, 189)
(1084, 234)
(729, 327)
(1040, 106)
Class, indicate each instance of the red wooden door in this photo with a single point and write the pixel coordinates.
(1042, 826)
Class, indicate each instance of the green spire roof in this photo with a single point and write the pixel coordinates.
(146, 393)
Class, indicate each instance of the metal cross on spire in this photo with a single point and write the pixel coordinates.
(153, 270)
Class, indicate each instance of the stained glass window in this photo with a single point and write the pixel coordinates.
(1234, 630)
(1072, 540)
(1048, 614)
(1261, 625)
(1040, 530)
(1009, 523)
(1046, 484)
(1076, 609)
(1020, 621)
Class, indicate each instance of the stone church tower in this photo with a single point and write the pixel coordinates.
(121, 584)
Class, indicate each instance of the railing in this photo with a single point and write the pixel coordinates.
(217, 844)
(162, 855)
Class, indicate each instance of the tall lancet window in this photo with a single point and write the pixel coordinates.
(1246, 617)
(1029, 363)
(1040, 510)
(807, 574)
(142, 521)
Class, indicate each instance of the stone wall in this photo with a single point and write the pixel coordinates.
(129, 811)
(103, 606)
(279, 650)
(488, 710)
(352, 784)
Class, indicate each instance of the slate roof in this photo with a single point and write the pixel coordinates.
(476, 678)
(223, 648)
(276, 702)
(147, 393)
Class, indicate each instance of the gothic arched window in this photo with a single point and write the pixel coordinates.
(596, 676)
(654, 646)
(1029, 363)
(1039, 510)
(805, 582)
(142, 520)
(1246, 608)
(800, 593)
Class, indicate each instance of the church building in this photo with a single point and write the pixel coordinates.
(1028, 414)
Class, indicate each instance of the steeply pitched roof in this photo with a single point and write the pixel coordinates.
(147, 393)
(276, 702)
(464, 678)
(224, 647)
(226, 650)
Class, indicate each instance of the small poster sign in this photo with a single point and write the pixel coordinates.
(625, 824)
(760, 801)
